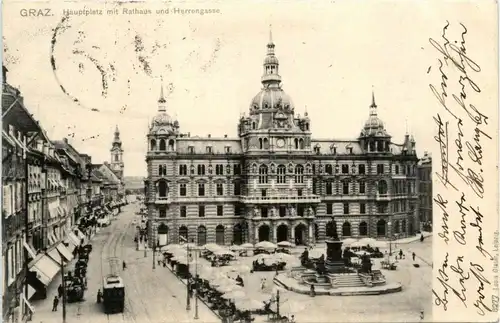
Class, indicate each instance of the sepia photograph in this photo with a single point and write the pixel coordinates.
(249, 162)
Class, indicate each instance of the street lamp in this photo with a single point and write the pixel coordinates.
(390, 237)
(188, 301)
(154, 252)
(61, 264)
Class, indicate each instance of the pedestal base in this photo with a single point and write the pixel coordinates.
(334, 266)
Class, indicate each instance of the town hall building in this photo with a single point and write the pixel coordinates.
(275, 182)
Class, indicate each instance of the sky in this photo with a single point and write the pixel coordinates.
(332, 56)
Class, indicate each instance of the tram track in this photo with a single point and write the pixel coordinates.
(113, 249)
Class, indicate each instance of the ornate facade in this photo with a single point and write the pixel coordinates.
(275, 182)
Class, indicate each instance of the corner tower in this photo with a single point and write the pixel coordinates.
(117, 164)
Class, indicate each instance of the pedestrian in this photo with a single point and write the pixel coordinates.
(124, 265)
(413, 256)
(60, 290)
(400, 253)
(55, 303)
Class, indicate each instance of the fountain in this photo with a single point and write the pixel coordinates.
(335, 276)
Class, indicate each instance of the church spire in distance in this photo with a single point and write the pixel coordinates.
(162, 102)
(271, 76)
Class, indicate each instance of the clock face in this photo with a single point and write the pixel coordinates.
(280, 143)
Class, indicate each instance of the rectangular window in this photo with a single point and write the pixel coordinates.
(183, 211)
(220, 210)
(282, 211)
(299, 192)
(314, 186)
(237, 188)
(163, 213)
(362, 208)
(219, 169)
(362, 187)
(220, 189)
(191, 149)
(361, 169)
(396, 169)
(329, 188)
(237, 210)
(237, 169)
(209, 150)
(201, 189)
(345, 169)
(182, 190)
(329, 208)
(345, 187)
(380, 168)
(201, 211)
(263, 192)
(346, 208)
(263, 211)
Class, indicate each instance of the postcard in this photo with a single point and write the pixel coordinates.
(250, 161)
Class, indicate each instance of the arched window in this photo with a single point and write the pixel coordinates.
(301, 143)
(163, 145)
(202, 235)
(281, 171)
(153, 144)
(382, 187)
(263, 174)
(296, 143)
(363, 229)
(346, 229)
(266, 143)
(299, 174)
(260, 143)
(201, 169)
(254, 125)
(381, 224)
(162, 170)
(162, 188)
(171, 144)
(219, 234)
(329, 169)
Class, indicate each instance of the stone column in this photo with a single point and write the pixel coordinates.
(256, 234)
(274, 239)
(292, 233)
(311, 233)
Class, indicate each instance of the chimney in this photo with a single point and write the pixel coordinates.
(4, 74)
(209, 136)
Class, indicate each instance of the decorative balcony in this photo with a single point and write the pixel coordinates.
(162, 200)
(284, 199)
(383, 197)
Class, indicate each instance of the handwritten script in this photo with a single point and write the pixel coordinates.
(464, 276)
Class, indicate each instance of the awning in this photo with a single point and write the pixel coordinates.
(52, 214)
(54, 254)
(70, 245)
(31, 291)
(80, 234)
(65, 252)
(46, 269)
(32, 309)
(73, 239)
(52, 238)
(29, 250)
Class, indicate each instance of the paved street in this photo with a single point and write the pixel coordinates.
(152, 296)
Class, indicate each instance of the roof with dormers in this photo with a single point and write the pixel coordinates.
(200, 145)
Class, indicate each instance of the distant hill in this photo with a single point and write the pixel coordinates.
(134, 182)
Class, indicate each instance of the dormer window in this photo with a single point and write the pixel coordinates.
(191, 149)
(228, 149)
(333, 149)
(209, 149)
(317, 149)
